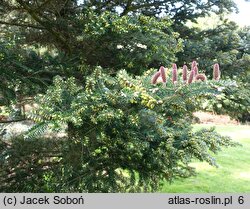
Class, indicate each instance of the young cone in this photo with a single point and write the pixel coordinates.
(191, 77)
(184, 73)
(194, 64)
(163, 74)
(200, 77)
(216, 72)
(174, 73)
(155, 77)
(195, 71)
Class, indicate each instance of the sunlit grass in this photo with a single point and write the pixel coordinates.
(233, 174)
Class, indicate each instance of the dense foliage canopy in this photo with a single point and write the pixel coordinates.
(124, 135)
(88, 67)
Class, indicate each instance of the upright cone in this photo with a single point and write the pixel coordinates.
(155, 77)
(184, 73)
(195, 71)
(216, 72)
(174, 73)
(194, 64)
(163, 74)
(191, 77)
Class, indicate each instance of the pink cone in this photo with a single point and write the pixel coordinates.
(194, 64)
(184, 73)
(163, 74)
(216, 72)
(191, 77)
(155, 77)
(200, 77)
(195, 71)
(174, 73)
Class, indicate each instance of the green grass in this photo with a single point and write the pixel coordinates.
(233, 174)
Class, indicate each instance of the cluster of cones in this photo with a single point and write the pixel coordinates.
(161, 75)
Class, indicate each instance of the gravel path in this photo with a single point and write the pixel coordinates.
(10, 130)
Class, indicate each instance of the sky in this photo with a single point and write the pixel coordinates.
(243, 17)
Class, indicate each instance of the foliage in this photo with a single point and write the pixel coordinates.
(27, 71)
(135, 43)
(115, 35)
(24, 163)
(233, 101)
(18, 72)
(125, 134)
(68, 26)
(59, 19)
(178, 10)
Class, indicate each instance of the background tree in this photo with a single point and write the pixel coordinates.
(225, 43)
(62, 24)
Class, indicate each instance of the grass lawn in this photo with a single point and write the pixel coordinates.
(233, 174)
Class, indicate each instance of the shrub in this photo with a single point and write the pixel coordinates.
(124, 134)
